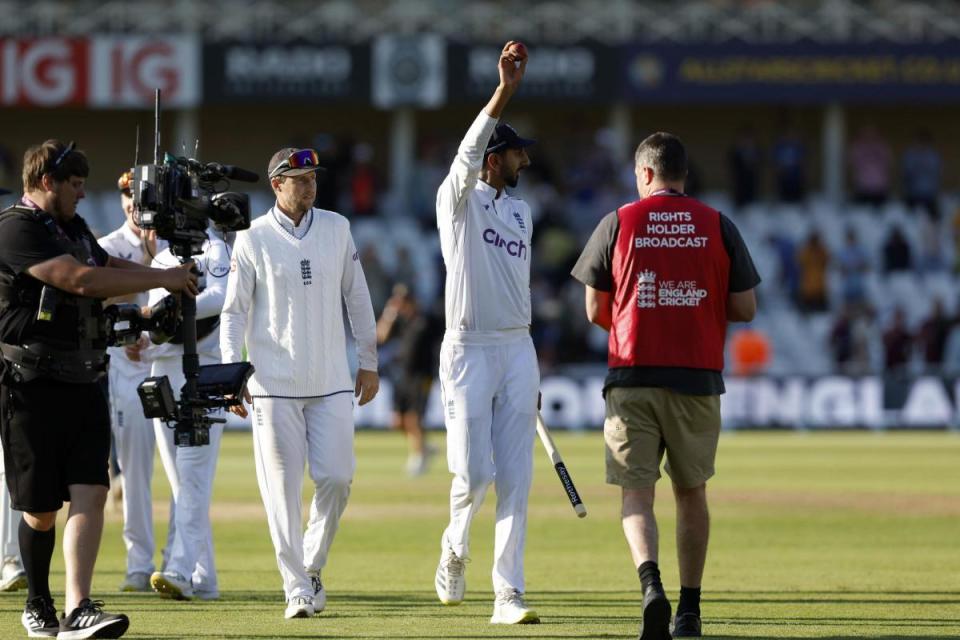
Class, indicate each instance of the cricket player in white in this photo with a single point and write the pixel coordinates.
(132, 432)
(488, 366)
(190, 570)
(291, 275)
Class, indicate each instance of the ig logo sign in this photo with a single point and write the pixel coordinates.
(45, 72)
(127, 70)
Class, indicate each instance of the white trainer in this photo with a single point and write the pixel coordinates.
(299, 607)
(451, 582)
(319, 593)
(12, 575)
(511, 608)
(171, 585)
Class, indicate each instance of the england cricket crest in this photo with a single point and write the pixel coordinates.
(306, 272)
(647, 289)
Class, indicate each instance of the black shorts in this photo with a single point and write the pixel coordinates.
(54, 434)
(410, 394)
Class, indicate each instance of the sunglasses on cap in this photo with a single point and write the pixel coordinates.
(299, 159)
(63, 156)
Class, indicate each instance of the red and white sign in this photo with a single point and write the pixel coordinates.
(126, 70)
(46, 72)
(103, 71)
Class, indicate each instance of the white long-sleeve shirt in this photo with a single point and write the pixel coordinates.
(285, 300)
(214, 266)
(124, 243)
(485, 242)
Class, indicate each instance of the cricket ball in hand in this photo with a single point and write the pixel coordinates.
(519, 49)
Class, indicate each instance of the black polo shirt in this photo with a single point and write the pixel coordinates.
(26, 242)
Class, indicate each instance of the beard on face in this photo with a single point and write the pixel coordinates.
(510, 179)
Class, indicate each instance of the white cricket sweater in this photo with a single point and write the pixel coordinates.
(285, 300)
(485, 241)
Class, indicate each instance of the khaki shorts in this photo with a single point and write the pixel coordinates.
(643, 422)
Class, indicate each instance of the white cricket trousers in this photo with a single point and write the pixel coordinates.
(190, 471)
(134, 441)
(490, 410)
(289, 433)
(9, 519)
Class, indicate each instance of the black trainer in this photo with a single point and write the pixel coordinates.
(89, 620)
(656, 614)
(687, 625)
(40, 618)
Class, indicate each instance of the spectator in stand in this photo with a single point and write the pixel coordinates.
(745, 158)
(921, 166)
(789, 160)
(841, 338)
(788, 271)
(750, 351)
(932, 337)
(854, 265)
(871, 163)
(329, 181)
(897, 343)
(813, 259)
(850, 340)
(896, 252)
(363, 182)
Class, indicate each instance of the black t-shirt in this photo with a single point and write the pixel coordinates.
(417, 339)
(25, 242)
(594, 268)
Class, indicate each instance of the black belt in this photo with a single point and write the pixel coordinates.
(31, 361)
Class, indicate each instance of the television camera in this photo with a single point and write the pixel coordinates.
(179, 198)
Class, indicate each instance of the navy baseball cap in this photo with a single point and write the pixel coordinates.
(506, 137)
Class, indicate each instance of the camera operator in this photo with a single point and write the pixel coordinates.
(132, 432)
(55, 420)
(190, 570)
(12, 575)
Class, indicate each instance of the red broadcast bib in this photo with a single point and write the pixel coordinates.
(670, 274)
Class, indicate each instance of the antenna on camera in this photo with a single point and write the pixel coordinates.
(156, 128)
(136, 148)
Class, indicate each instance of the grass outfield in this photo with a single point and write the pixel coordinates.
(821, 535)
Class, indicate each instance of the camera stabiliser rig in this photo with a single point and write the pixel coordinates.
(179, 198)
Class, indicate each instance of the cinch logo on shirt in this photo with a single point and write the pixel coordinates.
(515, 248)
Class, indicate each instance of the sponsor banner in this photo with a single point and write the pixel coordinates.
(829, 402)
(44, 72)
(246, 72)
(100, 71)
(801, 73)
(583, 72)
(127, 70)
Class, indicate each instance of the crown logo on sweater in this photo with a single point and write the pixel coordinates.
(647, 277)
